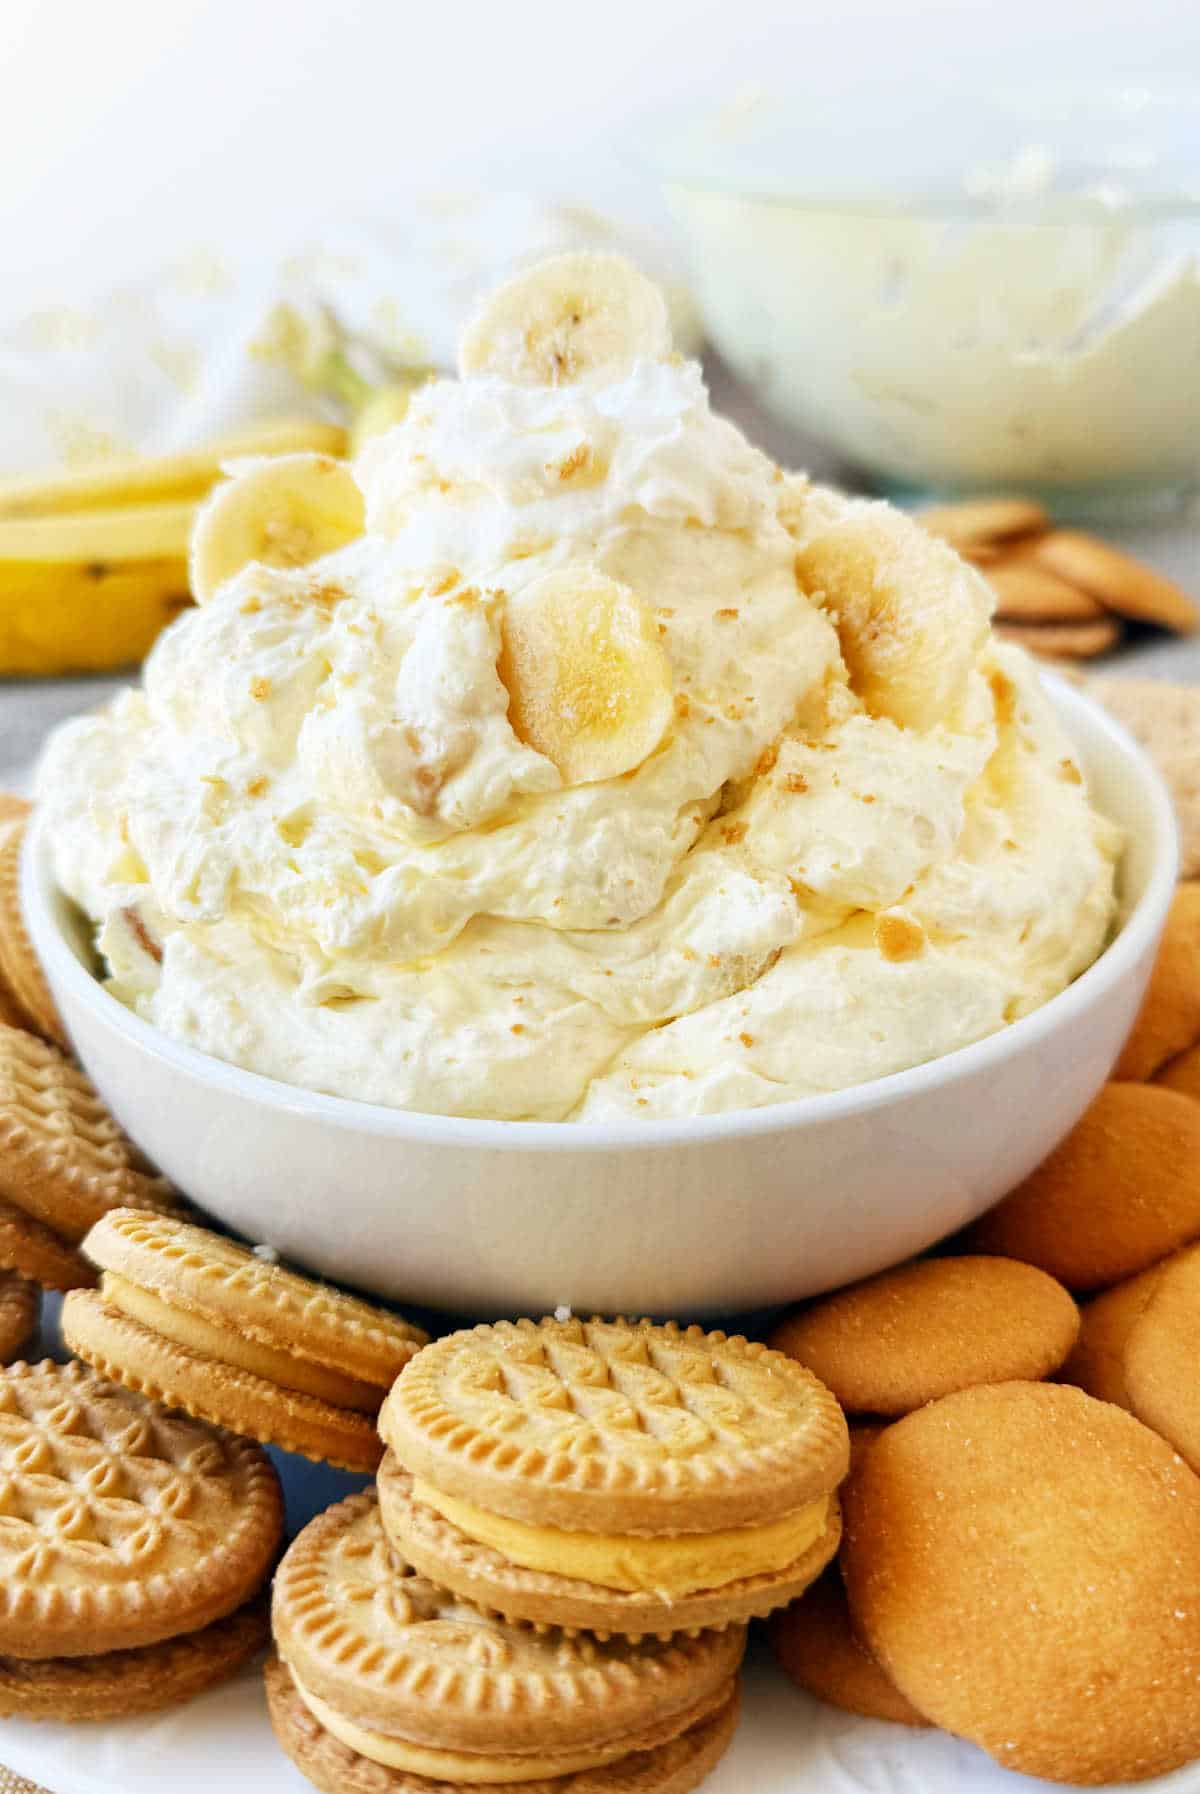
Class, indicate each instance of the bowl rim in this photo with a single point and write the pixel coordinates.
(1137, 932)
(711, 145)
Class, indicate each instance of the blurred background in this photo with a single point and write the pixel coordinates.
(139, 126)
(929, 250)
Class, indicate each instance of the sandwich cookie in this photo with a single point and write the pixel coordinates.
(1118, 1194)
(902, 1339)
(24, 983)
(617, 1476)
(63, 1160)
(121, 1526)
(39, 1254)
(386, 1684)
(203, 1324)
(1140, 1346)
(815, 1644)
(1022, 1562)
(118, 1684)
(20, 1302)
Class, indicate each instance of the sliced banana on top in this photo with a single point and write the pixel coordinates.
(911, 616)
(282, 511)
(589, 682)
(567, 319)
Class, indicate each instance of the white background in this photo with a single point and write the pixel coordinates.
(130, 127)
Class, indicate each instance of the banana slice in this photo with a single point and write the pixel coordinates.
(566, 319)
(589, 683)
(284, 512)
(910, 615)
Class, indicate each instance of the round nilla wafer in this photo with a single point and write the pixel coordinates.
(978, 520)
(1097, 1363)
(118, 1684)
(909, 1335)
(674, 1768)
(20, 1302)
(1062, 641)
(1118, 1194)
(1123, 584)
(1182, 1073)
(1027, 593)
(1168, 1022)
(225, 1395)
(1021, 1559)
(815, 1644)
(63, 1159)
(125, 1525)
(1140, 1347)
(20, 968)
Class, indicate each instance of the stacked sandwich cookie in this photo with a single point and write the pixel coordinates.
(613, 1476)
(203, 1324)
(134, 1547)
(385, 1683)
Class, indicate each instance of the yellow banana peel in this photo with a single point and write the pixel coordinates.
(85, 619)
(144, 480)
(93, 563)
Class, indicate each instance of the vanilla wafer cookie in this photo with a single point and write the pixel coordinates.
(63, 1159)
(36, 1252)
(121, 1525)
(218, 1297)
(19, 964)
(117, 1684)
(634, 1458)
(145, 1360)
(396, 1668)
(19, 1304)
(484, 1576)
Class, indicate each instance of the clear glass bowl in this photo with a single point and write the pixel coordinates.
(961, 291)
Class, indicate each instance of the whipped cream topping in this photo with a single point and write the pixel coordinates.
(312, 843)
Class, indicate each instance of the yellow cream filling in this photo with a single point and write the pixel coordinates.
(450, 1765)
(667, 1567)
(230, 1347)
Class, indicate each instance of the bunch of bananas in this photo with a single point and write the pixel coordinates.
(94, 563)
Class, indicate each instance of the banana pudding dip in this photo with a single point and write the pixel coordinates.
(564, 759)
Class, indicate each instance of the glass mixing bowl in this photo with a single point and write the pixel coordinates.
(961, 291)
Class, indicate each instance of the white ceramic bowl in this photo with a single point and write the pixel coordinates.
(721, 1214)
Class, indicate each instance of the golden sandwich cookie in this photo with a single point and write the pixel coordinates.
(24, 984)
(902, 1339)
(118, 1684)
(618, 1476)
(1022, 1562)
(385, 1681)
(203, 1324)
(1140, 1348)
(1118, 1194)
(63, 1160)
(122, 1526)
(39, 1254)
(20, 1302)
